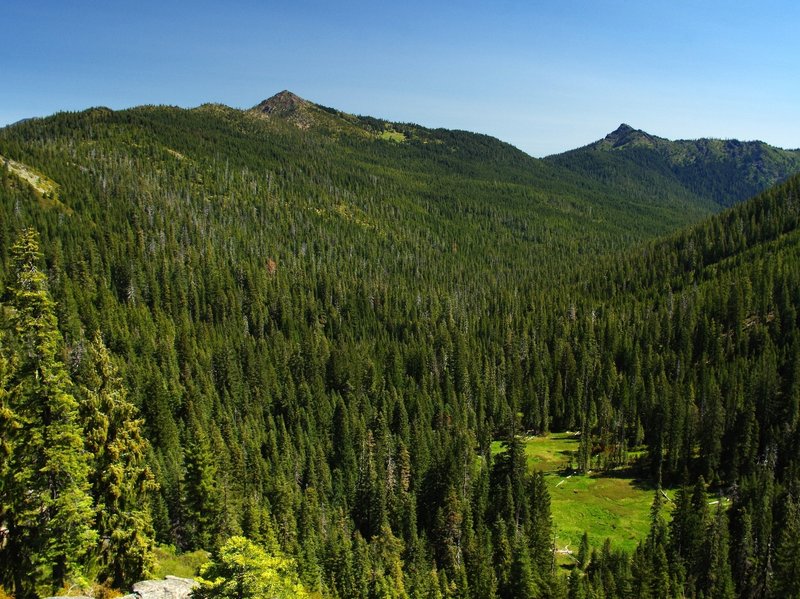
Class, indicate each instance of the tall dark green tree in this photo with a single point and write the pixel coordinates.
(687, 533)
(202, 496)
(8, 425)
(121, 481)
(540, 526)
(45, 486)
(787, 554)
(718, 581)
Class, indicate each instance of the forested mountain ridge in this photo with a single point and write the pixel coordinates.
(705, 324)
(724, 171)
(325, 331)
(435, 189)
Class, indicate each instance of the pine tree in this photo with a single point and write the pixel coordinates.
(45, 487)
(577, 585)
(743, 559)
(202, 498)
(583, 552)
(655, 550)
(687, 533)
(9, 423)
(718, 581)
(121, 481)
(540, 526)
(523, 580)
(502, 558)
(8, 420)
(787, 554)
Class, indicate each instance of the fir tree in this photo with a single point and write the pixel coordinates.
(202, 498)
(787, 554)
(523, 580)
(540, 526)
(718, 581)
(121, 481)
(45, 487)
(583, 552)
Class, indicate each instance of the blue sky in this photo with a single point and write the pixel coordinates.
(544, 76)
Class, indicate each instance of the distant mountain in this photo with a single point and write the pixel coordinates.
(287, 107)
(363, 181)
(724, 171)
(646, 169)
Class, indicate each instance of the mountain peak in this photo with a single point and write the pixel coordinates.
(283, 103)
(290, 108)
(626, 135)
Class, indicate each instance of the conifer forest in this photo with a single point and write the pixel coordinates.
(318, 350)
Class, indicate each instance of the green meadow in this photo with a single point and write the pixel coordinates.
(603, 504)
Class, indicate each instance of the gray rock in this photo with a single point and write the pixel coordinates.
(171, 587)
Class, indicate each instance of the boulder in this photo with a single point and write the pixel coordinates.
(171, 587)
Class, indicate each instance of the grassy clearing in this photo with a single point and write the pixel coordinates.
(46, 189)
(605, 505)
(390, 135)
(184, 565)
(548, 453)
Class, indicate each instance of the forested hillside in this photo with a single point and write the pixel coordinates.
(323, 322)
(723, 171)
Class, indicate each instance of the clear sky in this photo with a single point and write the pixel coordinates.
(544, 76)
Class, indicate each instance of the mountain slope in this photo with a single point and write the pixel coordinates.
(432, 192)
(700, 347)
(723, 171)
(326, 327)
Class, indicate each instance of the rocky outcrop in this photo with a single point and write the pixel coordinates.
(171, 587)
(282, 104)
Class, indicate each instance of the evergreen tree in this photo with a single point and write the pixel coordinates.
(523, 579)
(8, 426)
(202, 497)
(583, 552)
(45, 487)
(121, 482)
(503, 559)
(718, 581)
(540, 526)
(743, 558)
(656, 565)
(687, 534)
(787, 554)
(8, 420)
(244, 570)
(576, 585)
